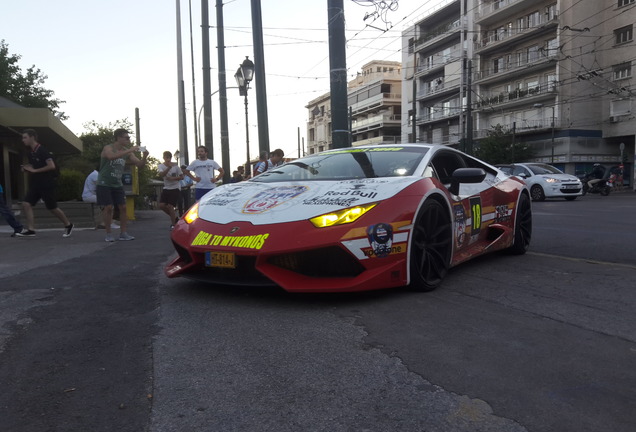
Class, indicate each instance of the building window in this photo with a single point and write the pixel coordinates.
(623, 70)
(550, 12)
(533, 19)
(624, 34)
(533, 53)
(625, 2)
(497, 65)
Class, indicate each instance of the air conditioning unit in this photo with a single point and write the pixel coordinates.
(613, 119)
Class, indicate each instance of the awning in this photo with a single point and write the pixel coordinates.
(52, 133)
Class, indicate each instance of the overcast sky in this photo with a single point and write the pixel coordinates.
(106, 58)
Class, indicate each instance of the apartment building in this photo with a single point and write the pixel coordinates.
(556, 72)
(433, 57)
(375, 106)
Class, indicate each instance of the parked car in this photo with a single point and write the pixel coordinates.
(545, 181)
(353, 219)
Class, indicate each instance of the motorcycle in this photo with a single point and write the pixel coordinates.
(603, 187)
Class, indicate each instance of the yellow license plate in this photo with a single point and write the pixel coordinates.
(220, 259)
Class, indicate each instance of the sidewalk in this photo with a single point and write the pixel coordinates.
(19, 254)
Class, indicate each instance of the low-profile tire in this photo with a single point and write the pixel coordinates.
(537, 193)
(572, 198)
(523, 226)
(431, 247)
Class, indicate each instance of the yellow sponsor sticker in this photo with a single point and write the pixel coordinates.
(243, 242)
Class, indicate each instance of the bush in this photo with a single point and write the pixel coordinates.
(70, 184)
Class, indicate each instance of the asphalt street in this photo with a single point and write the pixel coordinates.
(93, 337)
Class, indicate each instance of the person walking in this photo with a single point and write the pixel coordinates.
(8, 215)
(41, 169)
(110, 189)
(202, 172)
(171, 192)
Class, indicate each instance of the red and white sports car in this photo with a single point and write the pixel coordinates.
(353, 219)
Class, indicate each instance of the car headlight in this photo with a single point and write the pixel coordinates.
(192, 214)
(340, 217)
(552, 180)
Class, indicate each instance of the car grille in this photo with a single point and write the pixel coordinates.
(566, 190)
(245, 274)
(320, 263)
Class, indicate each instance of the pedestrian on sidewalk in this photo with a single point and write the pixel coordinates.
(110, 189)
(8, 215)
(202, 172)
(171, 192)
(42, 171)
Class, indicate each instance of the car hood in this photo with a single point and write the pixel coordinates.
(266, 203)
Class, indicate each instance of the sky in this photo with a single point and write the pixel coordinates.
(106, 58)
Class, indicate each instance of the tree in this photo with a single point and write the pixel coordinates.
(498, 148)
(26, 89)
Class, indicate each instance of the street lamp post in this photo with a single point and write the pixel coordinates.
(244, 76)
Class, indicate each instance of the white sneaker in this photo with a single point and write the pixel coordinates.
(109, 238)
(125, 237)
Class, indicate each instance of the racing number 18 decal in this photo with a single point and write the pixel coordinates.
(475, 215)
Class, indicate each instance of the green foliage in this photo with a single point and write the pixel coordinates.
(497, 147)
(26, 89)
(70, 185)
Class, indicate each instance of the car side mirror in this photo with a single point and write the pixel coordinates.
(466, 175)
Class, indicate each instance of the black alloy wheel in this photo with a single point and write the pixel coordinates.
(537, 193)
(432, 246)
(523, 226)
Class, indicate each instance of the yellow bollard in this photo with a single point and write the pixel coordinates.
(130, 207)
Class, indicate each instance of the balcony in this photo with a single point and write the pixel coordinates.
(517, 97)
(438, 114)
(499, 10)
(522, 127)
(439, 36)
(503, 40)
(377, 101)
(438, 89)
(385, 139)
(525, 66)
(376, 122)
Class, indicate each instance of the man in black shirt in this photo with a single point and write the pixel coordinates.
(41, 185)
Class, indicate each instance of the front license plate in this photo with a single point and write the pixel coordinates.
(220, 259)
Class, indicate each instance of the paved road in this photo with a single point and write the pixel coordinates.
(543, 342)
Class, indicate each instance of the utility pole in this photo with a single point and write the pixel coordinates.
(183, 134)
(414, 110)
(469, 109)
(225, 140)
(338, 74)
(259, 72)
(194, 88)
(207, 87)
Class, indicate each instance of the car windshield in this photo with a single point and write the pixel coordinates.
(349, 163)
(544, 169)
